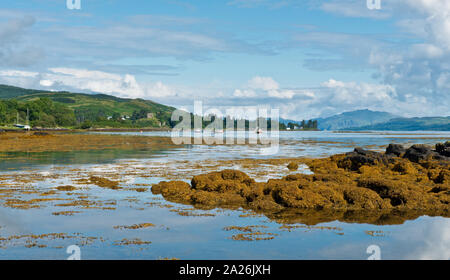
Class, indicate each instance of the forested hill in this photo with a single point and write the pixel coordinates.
(49, 109)
(12, 92)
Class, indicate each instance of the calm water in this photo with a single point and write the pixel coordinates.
(200, 235)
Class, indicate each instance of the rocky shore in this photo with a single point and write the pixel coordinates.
(360, 186)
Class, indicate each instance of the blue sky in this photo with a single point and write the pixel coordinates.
(307, 58)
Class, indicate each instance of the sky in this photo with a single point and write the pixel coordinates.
(307, 58)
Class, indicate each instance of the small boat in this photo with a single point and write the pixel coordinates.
(24, 126)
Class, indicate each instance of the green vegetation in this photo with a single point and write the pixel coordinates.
(39, 113)
(303, 125)
(103, 110)
(298, 125)
(211, 123)
(78, 110)
(12, 92)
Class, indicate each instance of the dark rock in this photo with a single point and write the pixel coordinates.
(417, 153)
(361, 157)
(395, 149)
(443, 149)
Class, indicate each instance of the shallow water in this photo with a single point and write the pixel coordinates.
(180, 231)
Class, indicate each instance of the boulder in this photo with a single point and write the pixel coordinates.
(360, 157)
(395, 149)
(292, 166)
(443, 149)
(417, 153)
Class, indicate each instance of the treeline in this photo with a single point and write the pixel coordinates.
(45, 113)
(213, 122)
(42, 112)
(303, 125)
(96, 116)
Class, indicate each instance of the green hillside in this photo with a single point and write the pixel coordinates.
(411, 124)
(92, 106)
(12, 92)
(99, 110)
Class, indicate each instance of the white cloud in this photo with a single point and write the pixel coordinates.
(244, 93)
(347, 96)
(281, 93)
(427, 51)
(260, 87)
(264, 83)
(159, 89)
(46, 83)
(437, 242)
(94, 81)
(415, 63)
(87, 80)
(362, 93)
(18, 73)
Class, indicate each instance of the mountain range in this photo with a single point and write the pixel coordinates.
(352, 119)
(361, 120)
(411, 124)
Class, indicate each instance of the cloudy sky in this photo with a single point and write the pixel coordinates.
(308, 58)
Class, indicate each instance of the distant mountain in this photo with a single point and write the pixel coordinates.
(411, 124)
(354, 119)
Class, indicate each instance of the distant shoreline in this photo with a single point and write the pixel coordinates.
(113, 129)
(84, 130)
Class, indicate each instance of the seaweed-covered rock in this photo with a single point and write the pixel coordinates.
(292, 166)
(362, 198)
(358, 186)
(172, 187)
(404, 167)
(360, 157)
(443, 178)
(395, 149)
(223, 181)
(104, 183)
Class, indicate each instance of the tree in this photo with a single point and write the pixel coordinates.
(3, 112)
(116, 116)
